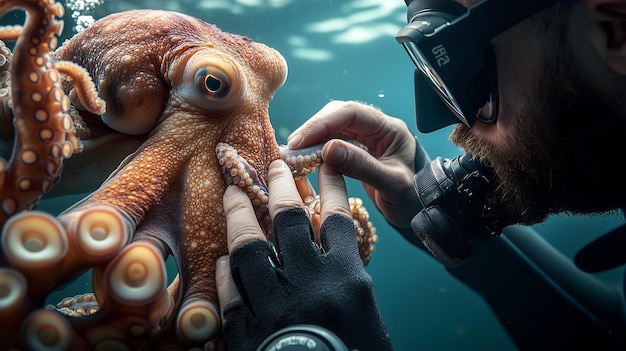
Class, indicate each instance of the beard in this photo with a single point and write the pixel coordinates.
(564, 147)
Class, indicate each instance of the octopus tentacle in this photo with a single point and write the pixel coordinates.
(137, 275)
(13, 286)
(78, 305)
(198, 320)
(302, 161)
(98, 232)
(87, 97)
(44, 129)
(366, 237)
(49, 250)
(306, 160)
(10, 32)
(15, 303)
(6, 114)
(34, 240)
(45, 329)
(237, 171)
(134, 285)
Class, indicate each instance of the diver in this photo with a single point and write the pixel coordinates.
(537, 89)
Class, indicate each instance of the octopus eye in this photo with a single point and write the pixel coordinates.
(213, 84)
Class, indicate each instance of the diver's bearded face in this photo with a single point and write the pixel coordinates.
(562, 147)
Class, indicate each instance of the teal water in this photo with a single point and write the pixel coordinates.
(345, 49)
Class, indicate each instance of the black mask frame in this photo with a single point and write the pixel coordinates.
(456, 76)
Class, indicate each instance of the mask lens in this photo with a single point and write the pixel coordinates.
(438, 84)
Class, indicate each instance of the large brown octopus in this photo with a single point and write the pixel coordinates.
(191, 92)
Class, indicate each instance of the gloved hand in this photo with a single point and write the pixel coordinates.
(301, 284)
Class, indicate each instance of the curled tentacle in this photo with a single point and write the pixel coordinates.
(134, 284)
(86, 94)
(306, 160)
(48, 250)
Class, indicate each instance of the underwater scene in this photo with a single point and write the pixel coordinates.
(342, 50)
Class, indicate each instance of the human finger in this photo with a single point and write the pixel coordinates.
(388, 182)
(241, 223)
(337, 233)
(341, 119)
(226, 288)
(333, 193)
(282, 188)
(354, 162)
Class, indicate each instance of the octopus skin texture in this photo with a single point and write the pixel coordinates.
(194, 100)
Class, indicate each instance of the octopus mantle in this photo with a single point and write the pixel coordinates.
(194, 101)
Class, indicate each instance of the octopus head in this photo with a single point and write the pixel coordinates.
(227, 72)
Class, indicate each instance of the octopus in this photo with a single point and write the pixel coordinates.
(195, 100)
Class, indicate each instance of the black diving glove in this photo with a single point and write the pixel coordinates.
(330, 289)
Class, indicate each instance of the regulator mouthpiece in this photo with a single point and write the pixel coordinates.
(455, 196)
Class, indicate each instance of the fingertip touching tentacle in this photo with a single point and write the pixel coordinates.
(238, 171)
(302, 161)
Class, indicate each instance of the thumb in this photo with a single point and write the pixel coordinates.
(355, 162)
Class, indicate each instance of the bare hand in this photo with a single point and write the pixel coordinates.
(386, 169)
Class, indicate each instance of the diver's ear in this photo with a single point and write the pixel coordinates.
(610, 16)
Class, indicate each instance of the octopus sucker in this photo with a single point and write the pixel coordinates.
(78, 305)
(47, 330)
(137, 275)
(174, 87)
(9, 33)
(302, 161)
(99, 231)
(196, 320)
(33, 240)
(13, 287)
